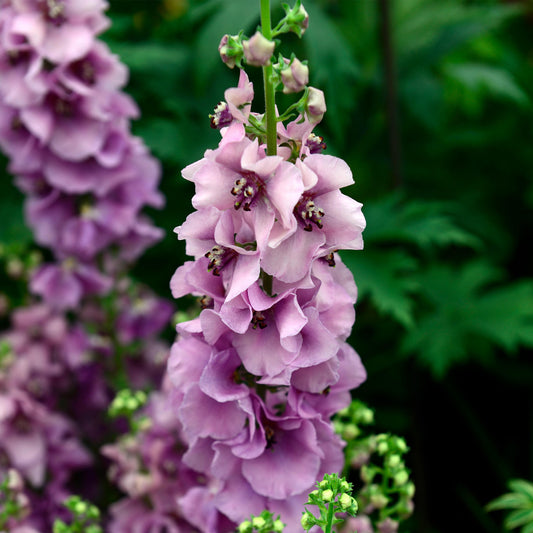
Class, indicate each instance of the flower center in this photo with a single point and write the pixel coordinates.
(221, 117)
(309, 213)
(219, 257)
(315, 143)
(53, 11)
(258, 320)
(206, 302)
(270, 436)
(246, 190)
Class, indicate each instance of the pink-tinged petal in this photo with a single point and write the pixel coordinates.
(202, 416)
(291, 260)
(343, 221)
(39, 121)
(316, 378)
(260, 300)
(284, 190)
(113, 149)
(237, 314)
(32, 26)
(198, 231)
(84, 8)
(351, 370)
(229, 155)
(263, 220)
(240, 98)
(260, 351)
(77, 139)
(217, 380)
(189, 171)
(318, 344)
(27, 452)
(234, 133)
(188, 357)
(213, 187)
(333, 172)
(212, 326)
(309, 177)
(290, 320)
(289, 467)
(199, 455)
(67, 42)
(230, 500)
(253, 160)
(245, 273)
(59, 288)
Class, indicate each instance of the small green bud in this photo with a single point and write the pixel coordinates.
(350, 432)
(382, 448)
(400, 444)
(60, 527)
(307, 521)
(345, 501)
(394, 460)
(258, 522)
(323, 484)
(409, 489)
(278, 526)
(367, 416)
(245, 526)
(327, 495)
(379, 500)
(345, 486)
(401, 478)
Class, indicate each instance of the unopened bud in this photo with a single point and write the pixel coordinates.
(295, 76)
(350, 432)
(258, 522)
(258, 50)
(388, 526)
(327, 495)
(245, 526)
(316, 105)
(307, 520)
(401, 478)
(394, 460)
(230, 49)
(379, 500)
(345, 501)
(278, 526)
(296, 19)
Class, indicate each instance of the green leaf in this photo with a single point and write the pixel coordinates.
(518, 518)
(385, 276)
(528, 528)
(424, 224)
(465, 308)
(509, 501)
(523, 487)
(481, 79)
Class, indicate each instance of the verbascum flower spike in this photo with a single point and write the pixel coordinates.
(258, 374)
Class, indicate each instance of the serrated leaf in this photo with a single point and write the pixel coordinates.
(466, 307)
(385, 276)
(523, 487)
(509, 501)
(424, 224)
(518, 518)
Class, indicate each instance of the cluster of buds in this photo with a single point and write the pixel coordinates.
(263, 523)
(84, 517)
(333, 495)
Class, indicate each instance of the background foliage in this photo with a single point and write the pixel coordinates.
(445, 316)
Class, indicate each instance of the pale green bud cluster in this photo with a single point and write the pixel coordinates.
(127, 403)
(333, 495)
(84, 514)
(264, 523)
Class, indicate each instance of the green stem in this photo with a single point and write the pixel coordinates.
(270, 94)
(329, 523)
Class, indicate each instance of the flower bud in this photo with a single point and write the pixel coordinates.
(393, 460)
(245, 526)
(316, 105)
(230, 49)
(327, 495)
(295, 76)
(296, 19)
(278, 526)
(351, 431)
(345, 501)
(401, 478)
(258, 50)
(258, 522)
(378, 500)
(388, 526)
(307, 520)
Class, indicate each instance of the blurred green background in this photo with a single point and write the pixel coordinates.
(432, 109)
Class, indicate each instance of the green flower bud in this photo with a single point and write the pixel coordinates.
(323, 484)
(401, 478)
(245, 526)
(278, 526)
(409, 489)
(307, 521)
(345, 501)
(382, 448)
(345, 486)
(258, 522)
(327, 495)
(379, 500)
(394, 460)
(350, 432)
